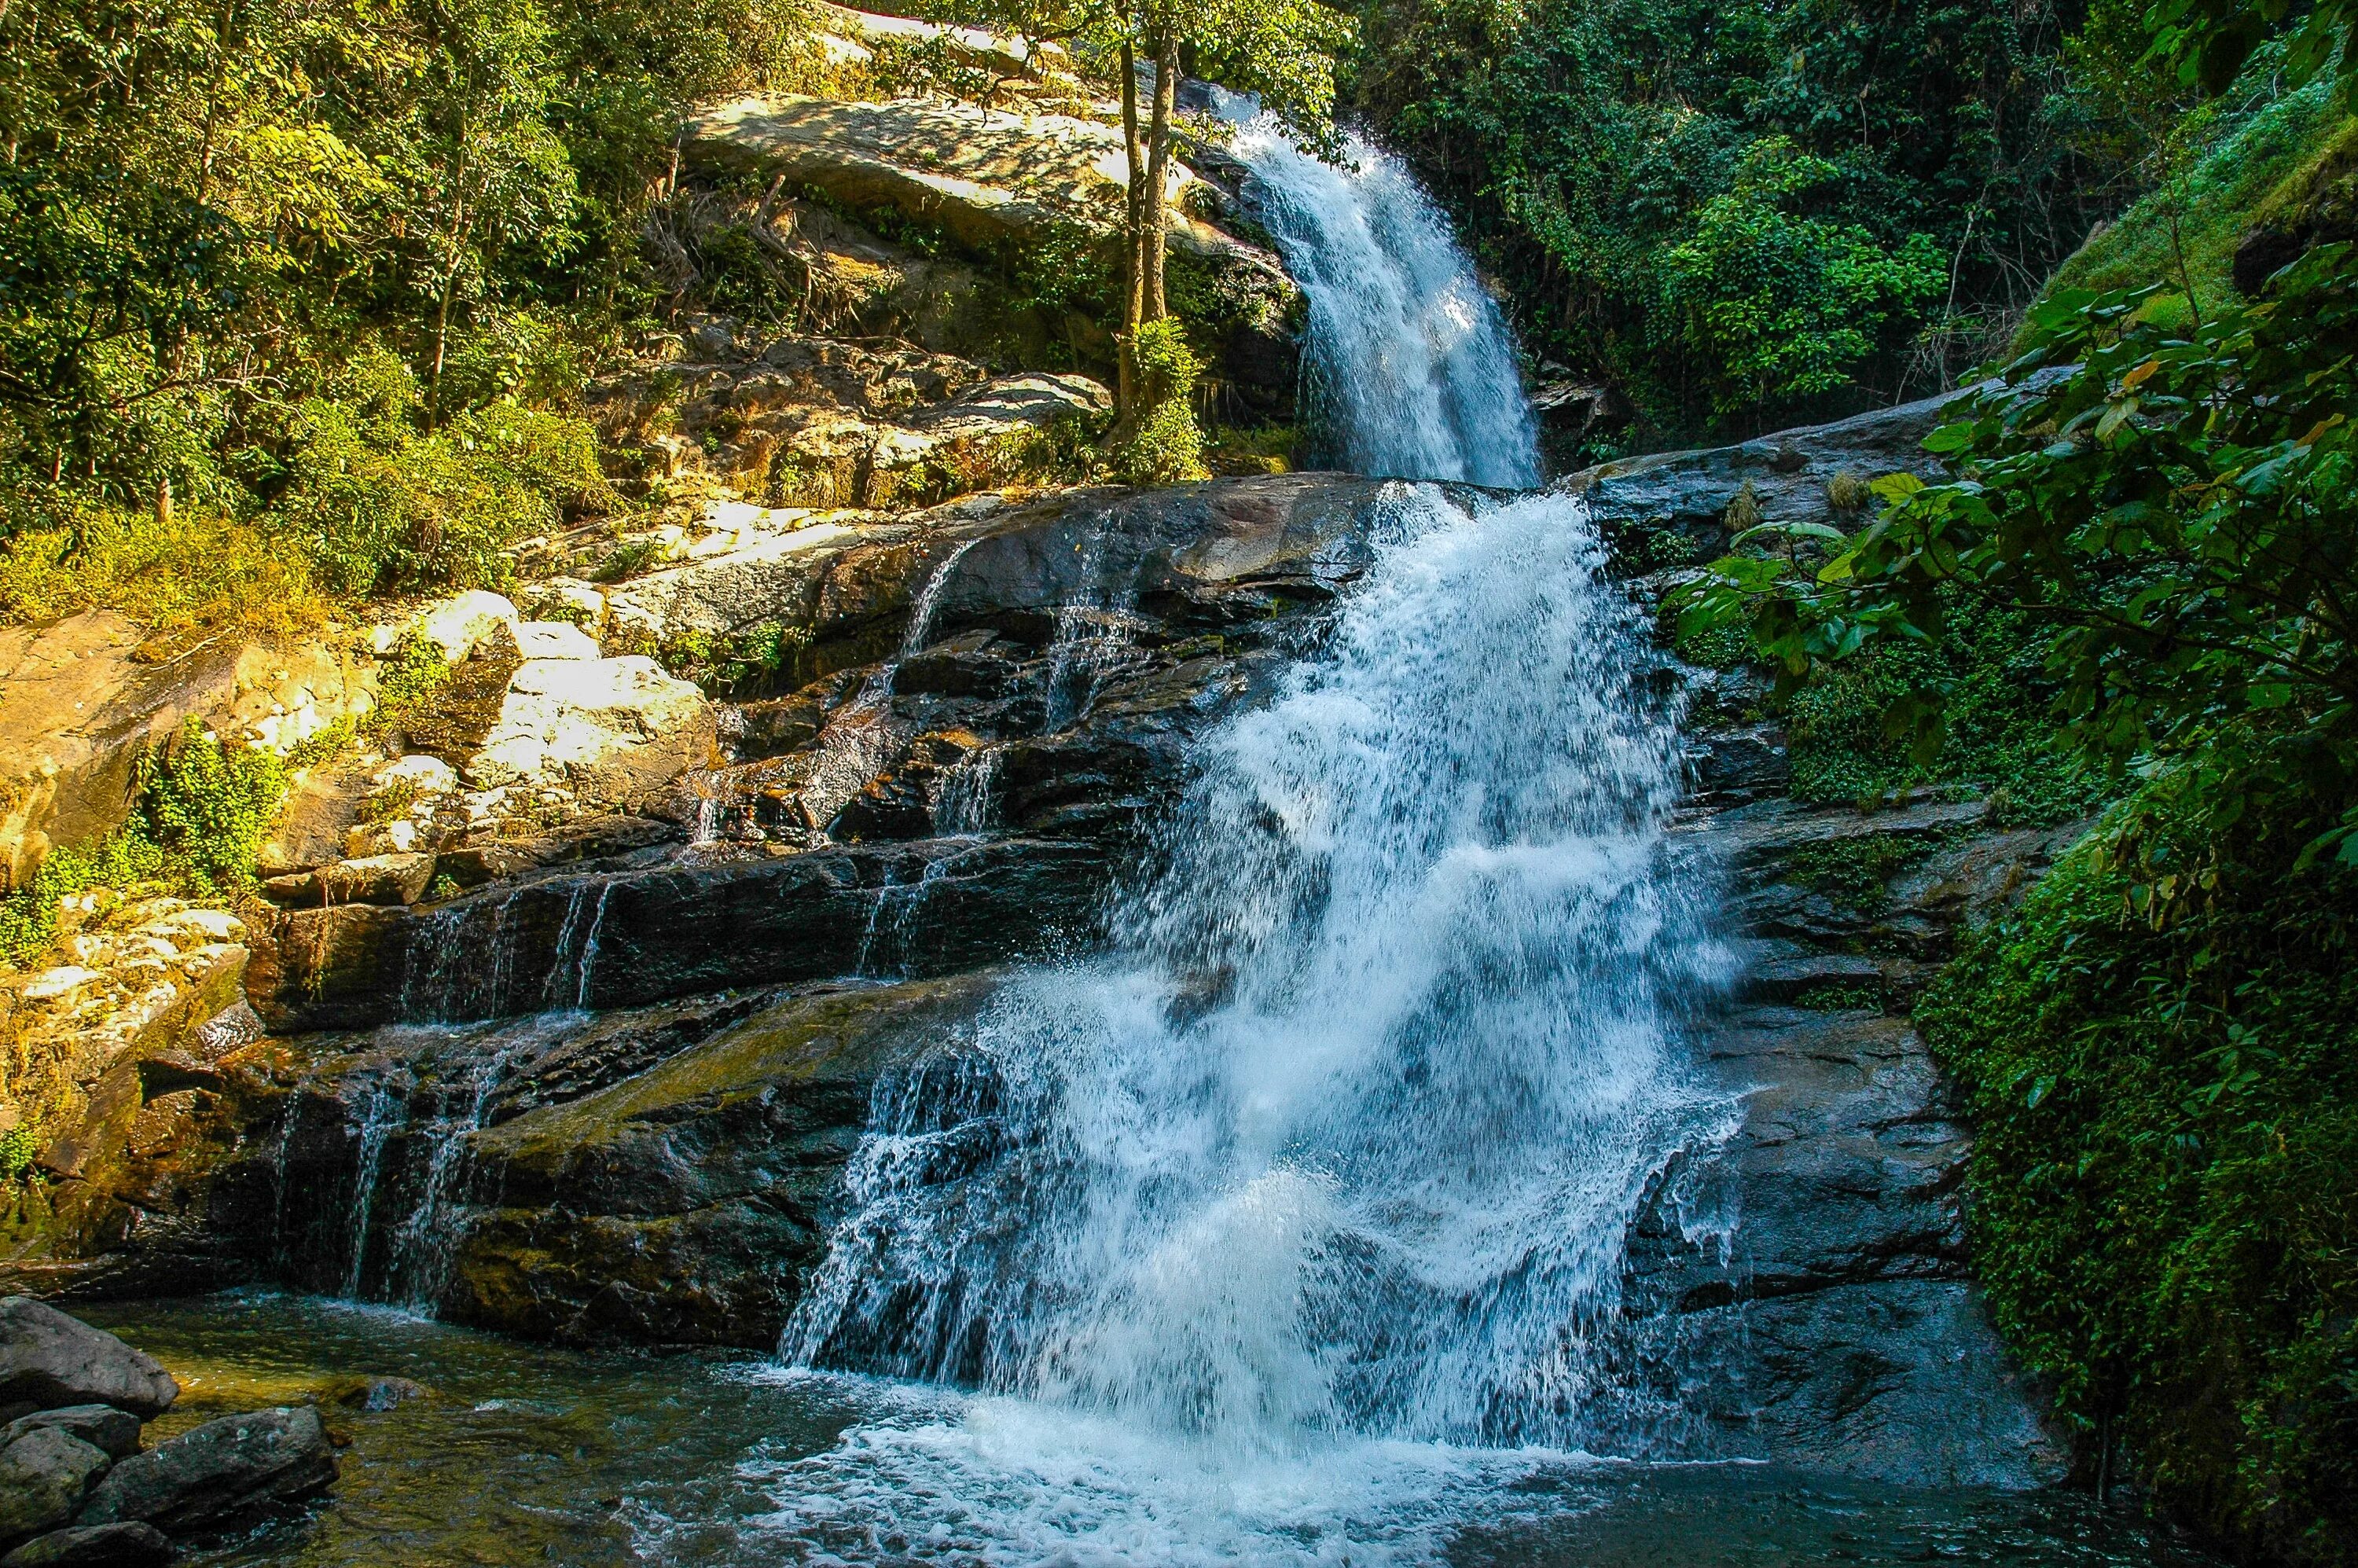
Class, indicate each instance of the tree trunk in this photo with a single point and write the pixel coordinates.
(1133, 233)
(1153, 308)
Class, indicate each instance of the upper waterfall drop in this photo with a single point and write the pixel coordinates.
(1409, 367)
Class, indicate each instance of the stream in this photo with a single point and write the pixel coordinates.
(517, 1453)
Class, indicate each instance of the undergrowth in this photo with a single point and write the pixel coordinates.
(2164, 1183)
(195, 828)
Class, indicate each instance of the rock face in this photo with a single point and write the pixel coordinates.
(217, 1472)
(606, 730)
(990, 699)
(1071, 649)
(48, 1359)
(83, 701)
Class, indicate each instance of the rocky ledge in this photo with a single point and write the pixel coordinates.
(602, 1082)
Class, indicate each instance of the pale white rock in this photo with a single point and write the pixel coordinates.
(456, 625)
(571, 599)
(424, 774)
(603, 730)
(51, 984)
(553, 639)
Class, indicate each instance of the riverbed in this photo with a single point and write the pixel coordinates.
(514, 1453)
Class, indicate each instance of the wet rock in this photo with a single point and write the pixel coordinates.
(678, 929)
(685, 1204)
(48, 1359)
(95, 1546)
(219, 1472)
(44, 1474)
(104, 1427)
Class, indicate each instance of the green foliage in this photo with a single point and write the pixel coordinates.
(407, 686)
(2164, 1187)
(209, 215)
(1776, 304)
(1786, 155)
(17, 1147)
(385, 507)
(195, 827)
(1855, 872)
(1167, 445)
(2185, 232)
(2171, 518)
(194, 571)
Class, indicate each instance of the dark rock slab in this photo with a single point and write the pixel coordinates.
(926, 908)
(219, 1472)
(112, 1431)
(95, 1546)
(685, 1204)
(44, 1475)
(48, 1359)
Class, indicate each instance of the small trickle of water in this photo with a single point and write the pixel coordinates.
(387, 1112)
(969, 793)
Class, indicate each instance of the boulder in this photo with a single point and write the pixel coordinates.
(102, 1426)
(605, 730)
(457, 625)
(48, 1359)
(44, 1475)
(553, 639)
(399, 877)
(217, 1472)
(95, 1546)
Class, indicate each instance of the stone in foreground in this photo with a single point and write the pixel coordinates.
(48, 1359)
(95, 1546)
(102, 1426)
(43, 1477)
(217, 1472)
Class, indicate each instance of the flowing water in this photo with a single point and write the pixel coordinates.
(509, 1455)
(1289, 1226)
(1410, 372)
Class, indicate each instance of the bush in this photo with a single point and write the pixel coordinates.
(197, 571)
(386, 508)
(1166, 445)
(196, 828)
(2164, 1185)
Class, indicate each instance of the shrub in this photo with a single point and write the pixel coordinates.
(1166, 445)
(386, 508)
(196, 571)
(2163, 1191)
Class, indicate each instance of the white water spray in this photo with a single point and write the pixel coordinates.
(1409, 367)
(1329, 1159)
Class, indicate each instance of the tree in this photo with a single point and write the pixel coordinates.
(1283, 50)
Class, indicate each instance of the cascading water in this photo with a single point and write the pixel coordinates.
(1409, 369)
(1334, 1150)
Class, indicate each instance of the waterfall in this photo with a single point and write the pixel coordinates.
(1335, 1146)
(1409, 368)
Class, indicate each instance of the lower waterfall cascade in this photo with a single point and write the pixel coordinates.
(1328, 1158)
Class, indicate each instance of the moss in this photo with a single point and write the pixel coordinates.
(2000, 734)
(2163, 1190)
(2250, 169)
(1841, 996)
(1855, 873)
(17, 1146)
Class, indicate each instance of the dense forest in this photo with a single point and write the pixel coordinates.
(299, 300)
